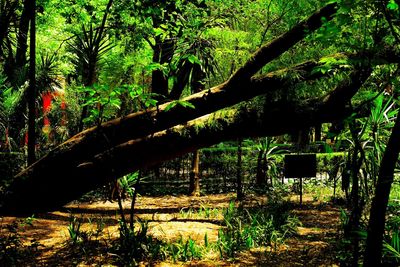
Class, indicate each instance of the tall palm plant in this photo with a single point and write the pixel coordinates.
(89, 47)
(196, 63)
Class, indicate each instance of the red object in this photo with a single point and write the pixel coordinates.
(46, 121)
(46, 98)
(26, 138)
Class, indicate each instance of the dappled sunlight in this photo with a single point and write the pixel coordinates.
(190, 218)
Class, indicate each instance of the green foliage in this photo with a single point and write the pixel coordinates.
(183, 250)
(391, 244)
(331, 65)
(392, 5)
(47, 76)
(201, 213)
(182, 103)
(266, 226)
(3, 111)
(132, 245)
(127, 182)
(81, 239)
(74, 230)
(101, 99)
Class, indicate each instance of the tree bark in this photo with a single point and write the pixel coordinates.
(162, 53)
(239, 171)
(194, 187)
(260, 175)
(355, 203)
(32, 90)
(317, 132)
(22, 38)
(376, 224)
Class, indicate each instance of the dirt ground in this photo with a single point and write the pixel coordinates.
(170, 218)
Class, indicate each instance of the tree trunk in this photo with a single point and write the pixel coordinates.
(162, 53)
(260, 175)
(376, 224)
(22, 38)
(239, 172)
(356, 205)
(73, 160)
(194, 187)
(317, 134)
(32, 89)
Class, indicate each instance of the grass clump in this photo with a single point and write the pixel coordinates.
(244, 228)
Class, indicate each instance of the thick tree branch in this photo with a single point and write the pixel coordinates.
(94, 140)
(276, 118)
(281, 44)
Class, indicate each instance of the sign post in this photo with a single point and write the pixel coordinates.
(300, 166)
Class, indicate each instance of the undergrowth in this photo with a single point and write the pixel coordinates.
(242, 228)
(14, 251)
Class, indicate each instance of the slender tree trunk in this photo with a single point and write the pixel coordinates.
(194, 187)
(317, 134)
(133, 202)
(22, 38)
(239, 171)
(162, 53)
(260, 176)
(376, 224)
(355, 215)
(356, 208)
(32, 89)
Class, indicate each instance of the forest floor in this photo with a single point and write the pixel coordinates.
(174, 217)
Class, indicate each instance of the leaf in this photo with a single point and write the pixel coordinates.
(153, 66)
(186, 104)
(194, 60)
(170, 105)
(158, 31)
(150, 102)
(392, 5)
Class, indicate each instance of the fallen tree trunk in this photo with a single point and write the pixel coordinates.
(275, 118)
(91, 141)
(59, 163)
